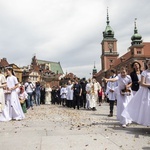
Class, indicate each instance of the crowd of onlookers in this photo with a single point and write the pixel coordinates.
(16, 98)
(71, 94)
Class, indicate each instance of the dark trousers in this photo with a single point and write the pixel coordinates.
(29, 100)
(69, 103)
(42, 99)
(63, 100)
(111, 103)
(100, 99)
(58, 100)
(76, 101)
(84, 99)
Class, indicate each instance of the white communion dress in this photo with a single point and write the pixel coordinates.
(12, 108)
(122, 100)
(2, 97)
(138, 110)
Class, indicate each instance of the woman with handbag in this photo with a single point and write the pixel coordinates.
(124, 94)
(135, 76)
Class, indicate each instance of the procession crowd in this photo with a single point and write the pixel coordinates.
(132, 93)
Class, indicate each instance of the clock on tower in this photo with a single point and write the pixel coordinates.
(110, 45)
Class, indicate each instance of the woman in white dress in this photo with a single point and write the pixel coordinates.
(123, 98)
(48, 91)
(12, 108)
(138, 110)
(2, 86)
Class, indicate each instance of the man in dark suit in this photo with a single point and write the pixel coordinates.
(77, 91)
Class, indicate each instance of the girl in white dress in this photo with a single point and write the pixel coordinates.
(123, 98)
(48, 91)
(2, 86)
(138, 110)
(12, 108)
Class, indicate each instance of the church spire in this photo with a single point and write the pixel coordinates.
(108, 33)
(135, 28)
(94, 64)
(107, 17)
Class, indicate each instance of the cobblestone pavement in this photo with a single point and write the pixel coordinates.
(53, 127)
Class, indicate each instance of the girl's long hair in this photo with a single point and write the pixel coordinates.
(10, 69)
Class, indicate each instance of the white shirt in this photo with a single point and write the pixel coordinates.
(69, 92)
(111, 86)
(63, 92)
(29, 87)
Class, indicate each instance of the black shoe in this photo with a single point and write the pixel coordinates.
(110, 115)
(94, 109)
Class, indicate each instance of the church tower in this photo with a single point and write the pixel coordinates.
(136, 47)
(94, 70)
(109, 47)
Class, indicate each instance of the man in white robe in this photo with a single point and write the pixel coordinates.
(94, 93)
(69, 94)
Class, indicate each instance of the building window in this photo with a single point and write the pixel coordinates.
(110, 60)
(138, 52)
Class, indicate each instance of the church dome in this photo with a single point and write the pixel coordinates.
(136, 36)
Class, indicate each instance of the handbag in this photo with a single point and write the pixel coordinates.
(125, 92)
(22, 101)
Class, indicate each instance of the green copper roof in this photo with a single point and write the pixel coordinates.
(54, 66)
(136, 36)
(108, 32)
(94, 69)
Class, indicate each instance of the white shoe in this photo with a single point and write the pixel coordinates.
(128, 124)
(124, 126)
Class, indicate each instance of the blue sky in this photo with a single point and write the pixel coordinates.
(68, 31)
